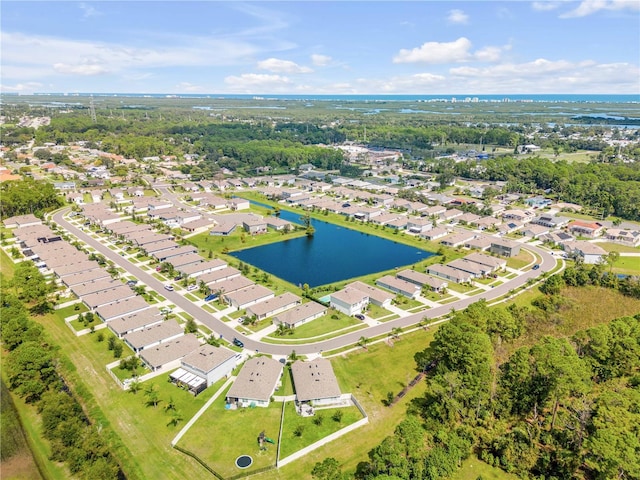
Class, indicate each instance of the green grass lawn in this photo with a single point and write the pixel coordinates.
(74, 309)
(374, 311)
(312, 432)
(521, 260)
(238, 240)
(460, 287)
(615, 247)
(220, 436)
(407, 303)
(628, 265)
(473, 469)
(286, 387)
(321, 326)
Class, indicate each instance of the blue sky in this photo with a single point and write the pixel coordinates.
(325, 47)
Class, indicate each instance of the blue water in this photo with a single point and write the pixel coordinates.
(598, 98)
(333, 254)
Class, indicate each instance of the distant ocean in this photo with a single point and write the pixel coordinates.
(572, 98)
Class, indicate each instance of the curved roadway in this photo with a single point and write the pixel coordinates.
(547, 264)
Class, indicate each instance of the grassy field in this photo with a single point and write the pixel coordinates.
(16, 459)
(521, 260)
(616, 247)
(220, 436)
(628, 265)
(473, 469)
(321, 326)
(311, 431)
(238, 240)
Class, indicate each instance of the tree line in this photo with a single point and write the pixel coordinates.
(33, 372)
(20, 197)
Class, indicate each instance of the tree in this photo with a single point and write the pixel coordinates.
(328, 469)
(29, 368)
(191, 326)
(363, 342)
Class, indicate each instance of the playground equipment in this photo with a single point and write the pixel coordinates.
(263, 438)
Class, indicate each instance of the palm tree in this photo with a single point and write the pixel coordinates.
(396, 331)
(363, 342)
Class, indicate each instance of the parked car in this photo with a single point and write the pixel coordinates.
(536, 266)
(238, 343)
(132, 283)
(359, 316)
(169, 287)
(210, 297)
(178, 277)
(192, 287)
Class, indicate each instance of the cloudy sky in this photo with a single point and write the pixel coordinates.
(323, 47)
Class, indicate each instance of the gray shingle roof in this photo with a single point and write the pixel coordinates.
(314, 380)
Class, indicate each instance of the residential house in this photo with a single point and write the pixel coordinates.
(349, 301)
(630, 238)
(273, 306)
(315, 382)
(397, 285)
(153, 335)
(474, 269)
(490, 263)
(586, 229)
(248, 296)
(422, 280)
(203, 367)
(458, 239)
(376, 296)
(449, 273)
(591, 253)
(238, 204)
(122, 308)
(254, 225)
(535, 231)
(435, 233)
(419, 225)
(550, 221)
(505, 247)
(137, 321)
(256, 383)
(168, 355)
(301, 314)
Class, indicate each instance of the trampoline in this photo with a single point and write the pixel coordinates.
(244, 461)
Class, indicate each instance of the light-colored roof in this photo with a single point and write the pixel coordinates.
(170, 351)
(94, 275)
(487, 260)
(121, 308)
(371, 292)
(86, 288)
(153, 334)
(468, 266)
(349, 296)
(186, 259)
(314, 380)
(217, 275)
(439, 269)
(398, 284)
(586, 248)
(200, 267)
(207, 357)
(82, 266)
(248, 294)
(114, 294)
(275, 303)
(257, 379)
(137, 320)
(300, 313)
(420, 278)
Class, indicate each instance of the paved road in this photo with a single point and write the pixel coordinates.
(548, 263)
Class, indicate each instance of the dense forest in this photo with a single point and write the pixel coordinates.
(560, 408)
(28, 196)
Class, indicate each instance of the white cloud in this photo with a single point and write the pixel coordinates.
(458, 17)
(58, 55)
(258, 83)
(282, 66)
(320, 60)
(436, 52)
(86, 69)
(545, 6)
(450, 52)
(588, 7)
(89, 10)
